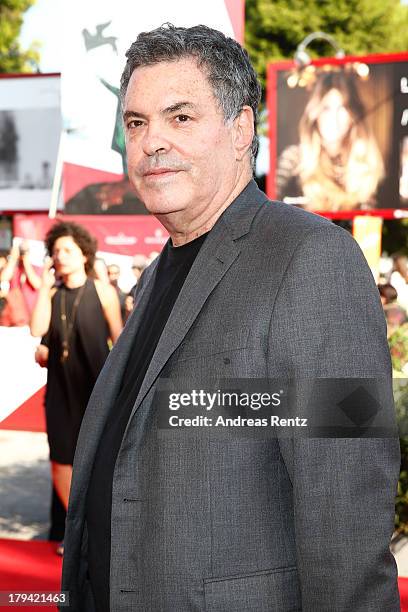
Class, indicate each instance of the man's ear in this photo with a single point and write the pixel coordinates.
(243, 132)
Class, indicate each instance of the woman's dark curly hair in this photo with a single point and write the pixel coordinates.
(87, 243)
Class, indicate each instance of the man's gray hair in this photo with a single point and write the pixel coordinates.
(229, 70)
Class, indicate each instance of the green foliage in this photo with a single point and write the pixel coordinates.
(12, 57)
(274, 28)
(398, 343)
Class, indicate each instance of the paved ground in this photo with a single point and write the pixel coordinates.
(25, 486)
(25, 490)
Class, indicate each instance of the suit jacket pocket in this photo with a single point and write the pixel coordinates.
(275, 590)
(231, 339)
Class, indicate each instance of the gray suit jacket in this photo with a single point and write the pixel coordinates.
(234, 523)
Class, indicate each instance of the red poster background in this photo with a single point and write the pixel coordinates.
(123, 234)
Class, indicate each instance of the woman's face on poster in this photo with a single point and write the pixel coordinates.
(334, 120)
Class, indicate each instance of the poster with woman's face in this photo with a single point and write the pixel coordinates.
(339, 135)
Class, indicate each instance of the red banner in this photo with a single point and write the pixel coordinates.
(124, 235)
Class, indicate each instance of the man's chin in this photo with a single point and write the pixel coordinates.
(163, 205)
(160, 210)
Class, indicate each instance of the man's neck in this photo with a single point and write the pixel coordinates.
(182, 231)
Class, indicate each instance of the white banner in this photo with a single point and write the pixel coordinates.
(97, 35)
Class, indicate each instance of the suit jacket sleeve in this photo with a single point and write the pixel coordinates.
(328, 322)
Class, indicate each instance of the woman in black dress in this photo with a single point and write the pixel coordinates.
(76, 315)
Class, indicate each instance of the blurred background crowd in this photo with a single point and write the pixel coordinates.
(20, 282)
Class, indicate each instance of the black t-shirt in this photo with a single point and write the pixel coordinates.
(173, 268)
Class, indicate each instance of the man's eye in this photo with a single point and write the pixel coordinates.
(182, 118)
(135, 123)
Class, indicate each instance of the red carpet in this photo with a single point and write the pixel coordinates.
(29, 566)
(403, 589)
(29, 416)
(33, 566)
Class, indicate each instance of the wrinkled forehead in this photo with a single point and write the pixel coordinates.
(183, 77)
(190, 62)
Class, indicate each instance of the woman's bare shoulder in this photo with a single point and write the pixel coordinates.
(105, 291)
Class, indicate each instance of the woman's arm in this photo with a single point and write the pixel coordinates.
(33, 278)
(41, 316)
(111, 308)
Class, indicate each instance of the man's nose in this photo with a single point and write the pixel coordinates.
(155, 140)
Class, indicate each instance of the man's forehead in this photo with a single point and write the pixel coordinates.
(183, 74)
(189, 62)
(167, 87)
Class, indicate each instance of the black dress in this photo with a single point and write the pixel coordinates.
(70, 383)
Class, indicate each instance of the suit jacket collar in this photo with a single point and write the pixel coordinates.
(240, 214)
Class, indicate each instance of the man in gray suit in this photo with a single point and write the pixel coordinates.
(164, 521)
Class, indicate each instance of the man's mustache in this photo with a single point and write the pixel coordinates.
(159, 161)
